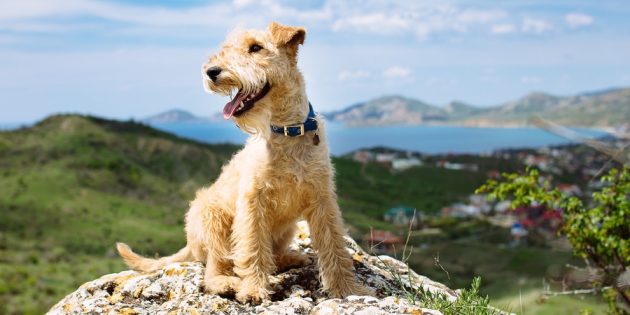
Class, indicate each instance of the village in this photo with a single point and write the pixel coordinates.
(572, 168)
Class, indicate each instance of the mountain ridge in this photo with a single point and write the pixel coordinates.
(605, 108)
(177, 115)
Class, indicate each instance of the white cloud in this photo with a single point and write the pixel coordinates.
(353, 75)
(481, 16)
(531, 25)
(372, 23)
(578, 19)
(421, 19)
(397, 72)
(237, 13)
(501, 29)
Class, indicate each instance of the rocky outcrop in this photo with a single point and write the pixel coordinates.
(178, 289)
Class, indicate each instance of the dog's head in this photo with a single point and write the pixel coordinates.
(250, 65)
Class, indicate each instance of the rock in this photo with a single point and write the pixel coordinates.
(178, 289)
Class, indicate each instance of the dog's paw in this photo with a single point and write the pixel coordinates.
(249, 294)
(362, 291)
(343, 289)
(291, 259)
(221, 285)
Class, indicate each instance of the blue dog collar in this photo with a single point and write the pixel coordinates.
(297, 130)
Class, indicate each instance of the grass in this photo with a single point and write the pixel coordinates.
(529, 302)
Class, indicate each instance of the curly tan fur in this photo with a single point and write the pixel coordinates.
(241, 225)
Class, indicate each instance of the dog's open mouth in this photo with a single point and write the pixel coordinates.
(243, 102)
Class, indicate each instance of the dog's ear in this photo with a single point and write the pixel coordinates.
(287, 36)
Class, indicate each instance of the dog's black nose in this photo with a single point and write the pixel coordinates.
(213, 73)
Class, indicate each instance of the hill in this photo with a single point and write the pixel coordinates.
(388, 110)
(74, 185)
(180, 116)
(605, 108)
(172, 116)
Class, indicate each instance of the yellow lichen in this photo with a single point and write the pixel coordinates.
(174, 271)
(127, 311)
(137, 292)
(219, 306)
(115, 298)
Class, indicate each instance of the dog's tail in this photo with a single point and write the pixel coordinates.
(137, 262)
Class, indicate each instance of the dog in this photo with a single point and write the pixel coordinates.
(242, 225)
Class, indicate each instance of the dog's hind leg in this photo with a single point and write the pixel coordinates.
(208, 233)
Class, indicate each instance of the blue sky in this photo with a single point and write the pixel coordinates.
(124, 59)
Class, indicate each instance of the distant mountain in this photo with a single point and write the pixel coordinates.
(172, 116)
(458, 109)
(388, 110)
(180, 115)
(601, 108)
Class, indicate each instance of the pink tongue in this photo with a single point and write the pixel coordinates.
(231, 106)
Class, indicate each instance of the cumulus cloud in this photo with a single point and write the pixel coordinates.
(501, 29)
(421, 19)
(397, 72)
(532, 25)
(578, 19)
(372, 23)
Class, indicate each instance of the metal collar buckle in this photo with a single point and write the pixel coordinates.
(286, 129)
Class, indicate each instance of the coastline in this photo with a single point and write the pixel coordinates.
(606, 129)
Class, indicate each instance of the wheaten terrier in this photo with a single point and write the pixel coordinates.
(242, 225)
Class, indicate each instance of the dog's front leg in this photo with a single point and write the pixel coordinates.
(253, 257)
(335, 263)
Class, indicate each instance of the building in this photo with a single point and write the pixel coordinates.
(385, 158)
(403, 164)
(403, 216)
(383, 242)
(519, 233)
(363, 156)
(461, 210)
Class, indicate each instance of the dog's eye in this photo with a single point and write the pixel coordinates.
(255, 48)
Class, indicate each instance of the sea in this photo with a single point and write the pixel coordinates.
(426, 139)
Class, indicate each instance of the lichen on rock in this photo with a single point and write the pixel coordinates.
(178, 289)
